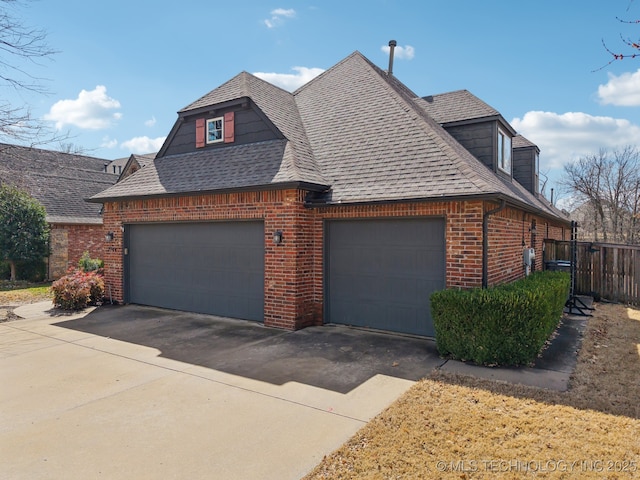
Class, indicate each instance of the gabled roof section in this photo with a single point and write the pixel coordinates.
(521, 142)
(60, 181)
(280, 107)
(460, 106)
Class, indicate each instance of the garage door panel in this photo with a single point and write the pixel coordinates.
(215, 268)
(381, 272)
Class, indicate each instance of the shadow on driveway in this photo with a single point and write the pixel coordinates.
(336, 358)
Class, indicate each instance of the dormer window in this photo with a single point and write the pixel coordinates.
(215, 130)
(504, 151)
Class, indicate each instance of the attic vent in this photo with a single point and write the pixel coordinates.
(392, 46)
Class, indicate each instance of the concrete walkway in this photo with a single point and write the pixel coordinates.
(135, 392)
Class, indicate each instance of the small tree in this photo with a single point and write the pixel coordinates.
(24, 232)
(608, 185)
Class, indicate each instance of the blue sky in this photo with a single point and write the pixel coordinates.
(123, 69)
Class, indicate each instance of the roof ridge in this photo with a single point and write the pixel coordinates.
(10, 146)
(317, 78)
(431, 127)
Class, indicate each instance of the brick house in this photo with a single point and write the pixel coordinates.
(347, 201)
(61, 182)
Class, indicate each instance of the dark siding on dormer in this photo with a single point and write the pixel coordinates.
(478, 139)
(524, 164)
(249, 127)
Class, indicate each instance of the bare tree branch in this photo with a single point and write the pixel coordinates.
(607, 186)
(21, 48)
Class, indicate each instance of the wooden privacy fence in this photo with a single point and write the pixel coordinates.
(603, 270)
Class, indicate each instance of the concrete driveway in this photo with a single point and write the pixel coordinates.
(137, 392)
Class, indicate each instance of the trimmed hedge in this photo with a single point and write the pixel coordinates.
(504, 325)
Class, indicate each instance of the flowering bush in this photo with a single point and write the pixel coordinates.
(77, 290)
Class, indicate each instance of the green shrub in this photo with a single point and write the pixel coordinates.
(77, 290)
(504, 325)
(88, 264)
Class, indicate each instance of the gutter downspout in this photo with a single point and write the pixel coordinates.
(485, 241)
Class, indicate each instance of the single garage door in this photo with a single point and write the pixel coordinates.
(215, 268)
(380, 273)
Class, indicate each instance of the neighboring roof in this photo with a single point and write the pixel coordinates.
(353, 128)
(60, 181)
(140, 160)
(143, 159)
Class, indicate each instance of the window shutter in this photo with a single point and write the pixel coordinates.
(200, 133)
(229, 133)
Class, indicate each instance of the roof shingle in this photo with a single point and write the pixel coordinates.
(354, 129)
(60, 181)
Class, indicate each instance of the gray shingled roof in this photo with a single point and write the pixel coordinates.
(234, 167)
(353, 128)
(457, 106)
(60, 181)
(521, 142)
(280, 107)
(390, 150)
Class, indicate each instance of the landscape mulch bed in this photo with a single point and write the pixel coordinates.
(451, 426)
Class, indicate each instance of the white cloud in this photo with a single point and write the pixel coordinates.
(278, 16)
(109, 142)
(566, 137)
(290, 81)
(143, 144)
(404, 53)
(623, 90)
(151, 122)
(92, 110)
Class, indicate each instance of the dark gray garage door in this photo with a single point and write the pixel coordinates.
(215, 268)
(380, 273)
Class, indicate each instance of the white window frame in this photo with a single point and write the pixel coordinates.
(504, 151)
(210, 122)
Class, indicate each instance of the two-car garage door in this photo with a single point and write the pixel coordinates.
(380, 273)
(215, 268)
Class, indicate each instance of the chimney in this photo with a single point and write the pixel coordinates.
(392, 46)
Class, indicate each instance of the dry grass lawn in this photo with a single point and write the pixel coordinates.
(449, 426)
(20, 293)
(17, 293)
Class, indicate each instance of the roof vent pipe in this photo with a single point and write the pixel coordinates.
(392, 46)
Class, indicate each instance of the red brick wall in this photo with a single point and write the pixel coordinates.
(463, 230)
(289, 273)
(294, 269)
(509, 233)
(77, 239)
